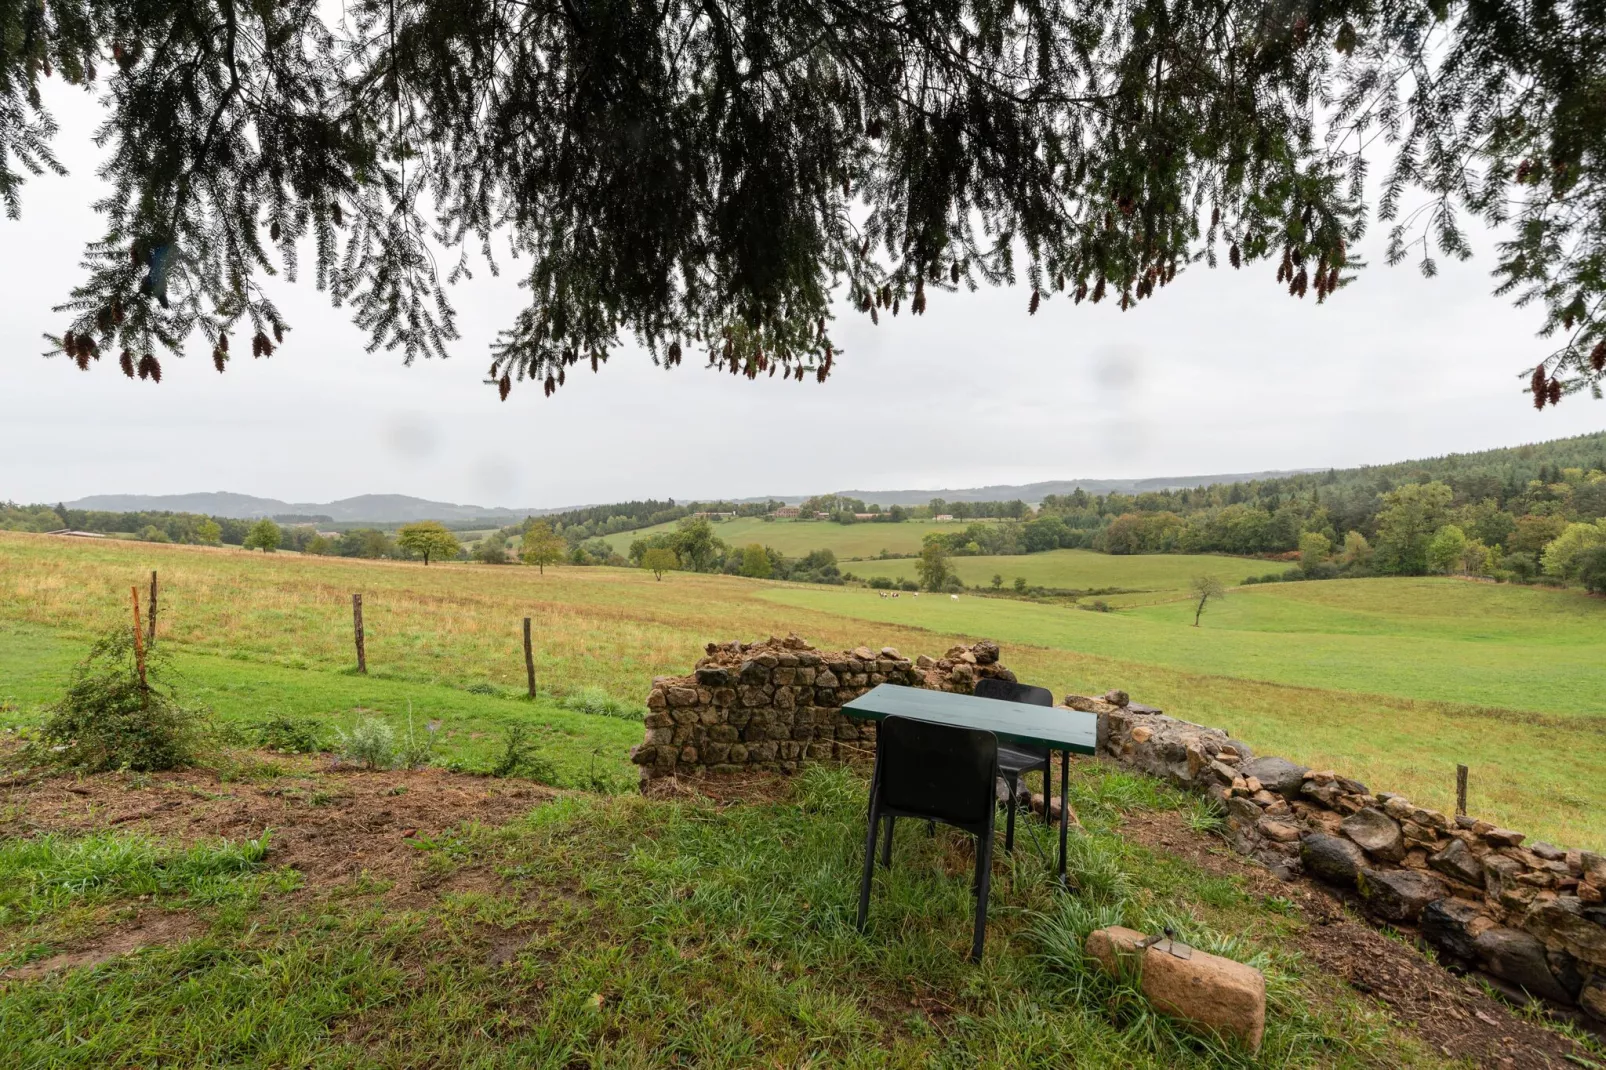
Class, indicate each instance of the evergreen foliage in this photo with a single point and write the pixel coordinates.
(1095, 149)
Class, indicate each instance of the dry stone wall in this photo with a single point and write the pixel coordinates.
(772, 705)
(1528, 915)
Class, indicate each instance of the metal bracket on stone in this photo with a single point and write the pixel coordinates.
(1167, 942)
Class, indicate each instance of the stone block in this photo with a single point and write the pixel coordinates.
(1561, 924)
(737, 753)
(682, 696)
(1457, 862)
(1329, 858)
(1515, 956)
(658, 718)
(1376, 833)
(1216, 994)
(656, 699)
(1398, 894)
(1453, 925)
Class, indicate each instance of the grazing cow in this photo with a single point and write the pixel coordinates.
(955, 597)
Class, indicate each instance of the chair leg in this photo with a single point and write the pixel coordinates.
(984, 873)
(886, 845)
(1009, 818)
(869, 867)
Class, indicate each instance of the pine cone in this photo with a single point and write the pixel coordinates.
(1235, 256)
(954, 273)
(1553, 392)
(504, 386)
(126, 362)
(219, 357)
(69, 344)
(273, 230)
(1036, 300)
(1597, 356)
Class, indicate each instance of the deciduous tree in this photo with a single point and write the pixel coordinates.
(427, 539)
(659, 559)
(264, 535)
(541, 546)
(1204, 588)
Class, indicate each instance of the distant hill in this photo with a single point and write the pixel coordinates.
(374, 508)
(1035, 492)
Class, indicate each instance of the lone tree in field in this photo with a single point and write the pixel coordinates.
(1095, 149)
(1204, 588)
(427, 539)
(660, 560)
(264, 535)
(541, 547)
(932, 565)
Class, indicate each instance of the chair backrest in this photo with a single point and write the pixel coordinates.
(936, 770)
(987, 687)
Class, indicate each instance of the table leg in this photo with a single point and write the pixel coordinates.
(1065, 811)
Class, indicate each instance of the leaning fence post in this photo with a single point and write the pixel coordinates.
(1460, 791)
(529, 657)
(139, 646)
(356, 624)
(152, 640)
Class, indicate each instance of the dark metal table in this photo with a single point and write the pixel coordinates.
(1053, 728)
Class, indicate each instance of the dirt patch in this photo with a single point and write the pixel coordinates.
(143, 931)
(329, 826)
(1450, 1012)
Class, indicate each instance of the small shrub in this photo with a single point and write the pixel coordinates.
(1249, 581)
(1098, 605)
(371, 743)
(1274, 577)
(483, 689)
(598, 703)
(907, 585)
(881, 583)
(1294, 574)
(520, 757)
(289, 735)
(108, 719)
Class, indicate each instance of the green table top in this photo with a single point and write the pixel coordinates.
(1055, 728)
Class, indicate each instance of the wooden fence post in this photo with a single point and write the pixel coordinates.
(356, 624)
(152, 640)
(529, 657)
(139, 646)
(1460, 791)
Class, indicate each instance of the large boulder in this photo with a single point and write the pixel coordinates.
(1329, 858)
(1376, 832)
(1452, 926)
(1217, 994)
(1275, 774)
(1513, 955)
(1398, 894)
(1593, 998)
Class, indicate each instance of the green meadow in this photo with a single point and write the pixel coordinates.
(1395, 681)
(1143, 577)
(795, 538)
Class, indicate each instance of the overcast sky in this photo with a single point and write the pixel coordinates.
(1219, 373)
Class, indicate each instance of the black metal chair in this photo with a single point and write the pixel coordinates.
(1014, 759)
(939, 773)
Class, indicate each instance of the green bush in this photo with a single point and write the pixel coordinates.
(1591, 565)
(109, 719)
(520, 757)
(289, 735)
(371, 743)
(881, 583)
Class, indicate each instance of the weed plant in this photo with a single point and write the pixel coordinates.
(112, 718)
(598, 703)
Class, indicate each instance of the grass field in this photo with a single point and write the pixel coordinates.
(1394, 681)
(1150, 577)
(600, 928)
(795, 538)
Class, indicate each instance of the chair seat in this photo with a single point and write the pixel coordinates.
(1013, 758)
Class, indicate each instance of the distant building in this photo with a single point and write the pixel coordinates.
(787, 512)
(865, 516)
(943, 516)
(77, 534)
(714, 516)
